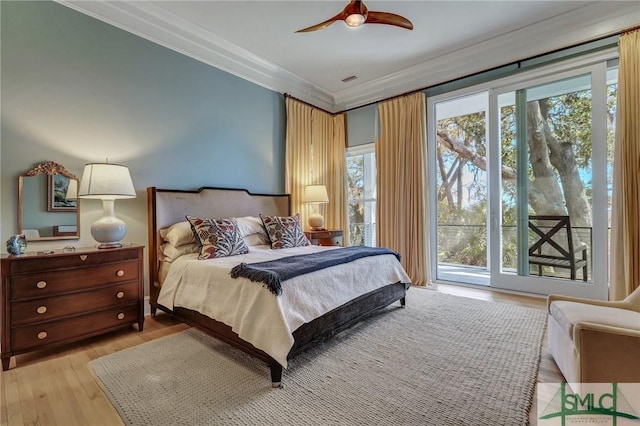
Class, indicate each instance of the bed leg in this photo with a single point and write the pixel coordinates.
(276, 375)
(153, 311)
(403, 302)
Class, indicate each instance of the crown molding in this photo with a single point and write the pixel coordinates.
(166, 29)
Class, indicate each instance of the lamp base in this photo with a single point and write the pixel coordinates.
(108, 230)
(316, 222)
(109, 245)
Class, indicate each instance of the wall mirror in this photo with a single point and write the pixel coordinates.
(48, 207)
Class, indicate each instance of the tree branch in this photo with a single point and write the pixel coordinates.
(477, 160)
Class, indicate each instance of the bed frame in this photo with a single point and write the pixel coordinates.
(166, 207)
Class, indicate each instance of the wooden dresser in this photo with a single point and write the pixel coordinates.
(61, 297)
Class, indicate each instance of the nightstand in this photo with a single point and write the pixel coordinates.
(57, 298)
(326, 237)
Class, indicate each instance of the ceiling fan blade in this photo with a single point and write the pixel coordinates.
(388, 19)
(322, 25)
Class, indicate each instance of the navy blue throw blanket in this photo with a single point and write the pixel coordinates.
(272, 272)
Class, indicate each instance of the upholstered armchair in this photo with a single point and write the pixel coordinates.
(595, 341)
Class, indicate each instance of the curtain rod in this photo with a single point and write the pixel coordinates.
(630, 30)
(333, 114)
(625, 31)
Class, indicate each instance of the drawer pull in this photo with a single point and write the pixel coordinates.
(41, 284)
(83, 257)
(120, 273)
(120, 294)
(42, 335)
(41, 309)
(120, 316)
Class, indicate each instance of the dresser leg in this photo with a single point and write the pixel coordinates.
(5, 363)
(140, 324)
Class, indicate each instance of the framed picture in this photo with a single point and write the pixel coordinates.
(57, 188)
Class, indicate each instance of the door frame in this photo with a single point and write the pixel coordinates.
(596, 65)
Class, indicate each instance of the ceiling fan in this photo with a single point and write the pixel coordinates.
(356, 14)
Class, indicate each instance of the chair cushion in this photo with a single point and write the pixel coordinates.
(567, 314)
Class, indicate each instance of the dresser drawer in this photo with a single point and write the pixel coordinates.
(72, 260)
(37, 310)
(38, 335)
(326, 237)
(324, 234)
(335, 241)
(54, 283)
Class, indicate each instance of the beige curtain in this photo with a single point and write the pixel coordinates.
(625, 227)
(329, 165)
(316, 142)
(401, 179)
(298, 152)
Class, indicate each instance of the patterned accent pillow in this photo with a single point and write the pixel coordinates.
(284, 231)
(217, 237)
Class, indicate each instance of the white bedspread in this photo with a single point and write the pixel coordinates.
(258, 316)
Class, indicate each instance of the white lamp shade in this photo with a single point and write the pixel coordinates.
(315, 194)
(106, 181)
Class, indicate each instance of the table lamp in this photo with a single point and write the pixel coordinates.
(315, 194)
(107, 182)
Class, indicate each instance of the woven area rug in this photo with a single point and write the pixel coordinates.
(443, 360)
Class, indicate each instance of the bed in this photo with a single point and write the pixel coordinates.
(167, 209)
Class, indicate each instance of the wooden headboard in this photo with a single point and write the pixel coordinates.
(168, 206)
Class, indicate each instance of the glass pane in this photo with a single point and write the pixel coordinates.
(356, 224)
(370, 223)
(355, 177)
(508, 230)
(461, 180)
(612, 94)
(551, 176)
(361, 191)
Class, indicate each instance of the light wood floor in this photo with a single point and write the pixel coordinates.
(56, 387)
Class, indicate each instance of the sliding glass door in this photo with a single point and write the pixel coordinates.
(462, 197)
(550, 204)
(522, 174)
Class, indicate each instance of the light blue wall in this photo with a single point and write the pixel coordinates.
(362, 125)
(77, 90)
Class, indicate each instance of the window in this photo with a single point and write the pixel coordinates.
(361, 195)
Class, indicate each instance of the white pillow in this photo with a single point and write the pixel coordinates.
(256, 239)
(171, 252)
(249, 225)
(178, 234)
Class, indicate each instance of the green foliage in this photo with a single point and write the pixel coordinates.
(569, 117)
(462, 226)
(355, 192)
(462, 236)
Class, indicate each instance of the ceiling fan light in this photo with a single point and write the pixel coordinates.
(354, 20)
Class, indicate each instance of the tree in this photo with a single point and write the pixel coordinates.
(559, 150)
(355, 191)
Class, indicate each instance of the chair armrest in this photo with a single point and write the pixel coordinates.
(611, 304)
(607, 354)
(580, 327)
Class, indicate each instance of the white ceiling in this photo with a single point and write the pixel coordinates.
(256, 40)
